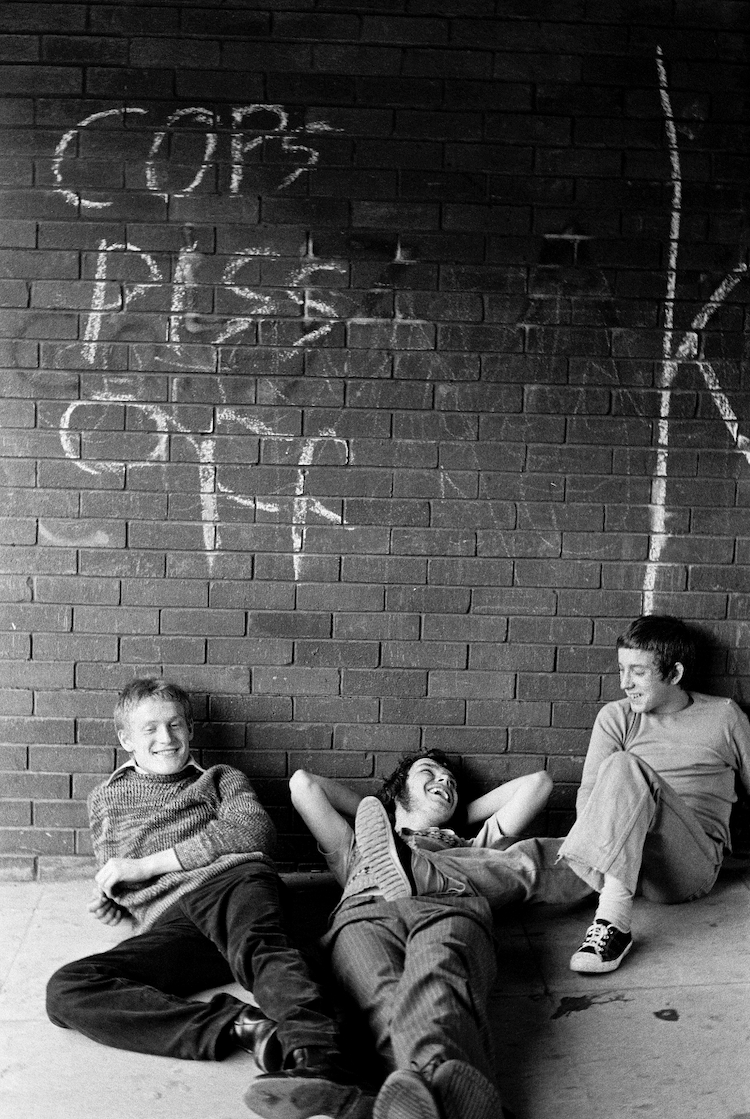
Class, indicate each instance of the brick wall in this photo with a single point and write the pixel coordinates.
(365, 367)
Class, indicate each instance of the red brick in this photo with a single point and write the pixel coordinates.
(431, 711)
(15, 813)
(33, 841)
(384, 569)
(336, 654)
(336, 710)
(18, 785)
(15, 701)
(425, 654)
(78, 759)
(295, 681)
(17, 868)
(384, 739)
(60, 814)
(499, 713)
(382, 626)
(249, 651)
(111, 619)
(471, 684)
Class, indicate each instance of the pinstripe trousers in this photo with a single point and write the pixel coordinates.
(421, 969)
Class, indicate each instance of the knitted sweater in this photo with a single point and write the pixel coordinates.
(212, 818)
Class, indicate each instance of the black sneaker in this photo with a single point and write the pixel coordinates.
(604, 948)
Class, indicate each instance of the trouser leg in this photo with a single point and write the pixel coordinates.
(525, 871)
(367, 958)
(421, 971)
(135, 996)
(240, 912)
(637, 829)
(440, 1010)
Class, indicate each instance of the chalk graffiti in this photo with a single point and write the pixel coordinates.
(280, 131)
(313, 303)
(165, 421)
(250, 127)
(676, 353)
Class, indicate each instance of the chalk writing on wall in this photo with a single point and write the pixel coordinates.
(319, 310)
(304, 155)
(677, 349)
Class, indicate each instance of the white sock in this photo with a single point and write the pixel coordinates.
(615, 903)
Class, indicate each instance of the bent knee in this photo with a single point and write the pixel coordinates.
(623, 763)
(63, 987)
(59, 989)
(541, 783)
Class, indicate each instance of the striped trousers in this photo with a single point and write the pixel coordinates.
(421, 969)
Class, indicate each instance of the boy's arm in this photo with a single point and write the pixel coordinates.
(241, 824)
(324, 805)
(741, 737)
(607, 737)
(115, 869)
(515, 803)
(117, 872)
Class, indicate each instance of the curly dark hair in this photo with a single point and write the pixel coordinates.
(392, 789)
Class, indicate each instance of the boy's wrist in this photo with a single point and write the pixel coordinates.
(161, 862)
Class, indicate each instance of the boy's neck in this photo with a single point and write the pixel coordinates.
(416, 820)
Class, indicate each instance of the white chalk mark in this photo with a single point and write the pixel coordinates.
(203, 116)
(98, 539)
(303, 503)
(657, 511)
(72, 196)
(313, 157)
(673, 356)
(99, 305)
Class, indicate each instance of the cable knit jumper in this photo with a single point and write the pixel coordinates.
(211, 817)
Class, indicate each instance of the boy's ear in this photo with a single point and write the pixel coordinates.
(677, 673)
(123, 737)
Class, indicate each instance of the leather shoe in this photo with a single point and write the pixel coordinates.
(256, 1034)
(313, 1083)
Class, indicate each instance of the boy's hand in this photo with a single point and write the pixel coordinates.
(104, 909)
(116, 872)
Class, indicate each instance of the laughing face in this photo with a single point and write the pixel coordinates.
(430, 796)
(157, 735)
(648, 692)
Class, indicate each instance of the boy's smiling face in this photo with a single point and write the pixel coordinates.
(647, 690)
(430, 794)
(157, 735)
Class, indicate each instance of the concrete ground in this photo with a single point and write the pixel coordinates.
(664, 1037)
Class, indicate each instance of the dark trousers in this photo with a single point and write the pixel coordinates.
(136, 995)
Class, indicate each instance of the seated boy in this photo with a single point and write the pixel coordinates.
(186, 853)
(657, 788)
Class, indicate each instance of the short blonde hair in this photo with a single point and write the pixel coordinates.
(144, 687)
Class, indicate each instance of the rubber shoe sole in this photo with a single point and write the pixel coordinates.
(405, 1095)
(465, 1093)
(288, 1097)
(377, 846)
(586, 961)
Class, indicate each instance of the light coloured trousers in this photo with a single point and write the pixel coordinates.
(635, 827)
